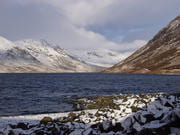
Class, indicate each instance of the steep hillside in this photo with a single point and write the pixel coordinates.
(39, 56)
(161, 55)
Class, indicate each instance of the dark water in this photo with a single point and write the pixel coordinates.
(41, 93)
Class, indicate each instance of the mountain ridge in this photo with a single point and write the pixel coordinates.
(39, 56)
(100, 56)
(161, 55)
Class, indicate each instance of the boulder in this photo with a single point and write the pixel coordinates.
(137, 127)
(22, 126)
(175, 131)
(45, 120)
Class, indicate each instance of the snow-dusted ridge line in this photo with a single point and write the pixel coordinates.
(52, 58)
(5, 44)
(100, 57)
(39, 56)
(149, 114)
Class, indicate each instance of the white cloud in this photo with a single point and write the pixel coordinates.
(86, 12)
(123, 12)
(79, 12)
(70, 29)
(132, 46)
(65, 21)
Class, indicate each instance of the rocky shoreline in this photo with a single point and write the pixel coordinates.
(128, 114)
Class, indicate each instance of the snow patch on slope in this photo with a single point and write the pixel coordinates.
(5, 44)
(39, 56)
(100, 57)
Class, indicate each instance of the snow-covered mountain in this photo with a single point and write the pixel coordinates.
(39, 56)
(100, 57)
(5, 44)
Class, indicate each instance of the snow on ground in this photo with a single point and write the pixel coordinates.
(145, 114)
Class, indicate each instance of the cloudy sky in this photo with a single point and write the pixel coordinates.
(123, 25)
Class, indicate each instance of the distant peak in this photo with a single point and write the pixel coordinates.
(2, 38)
(45, 42)
(32, 42)
(28, 41)
(5, 44)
